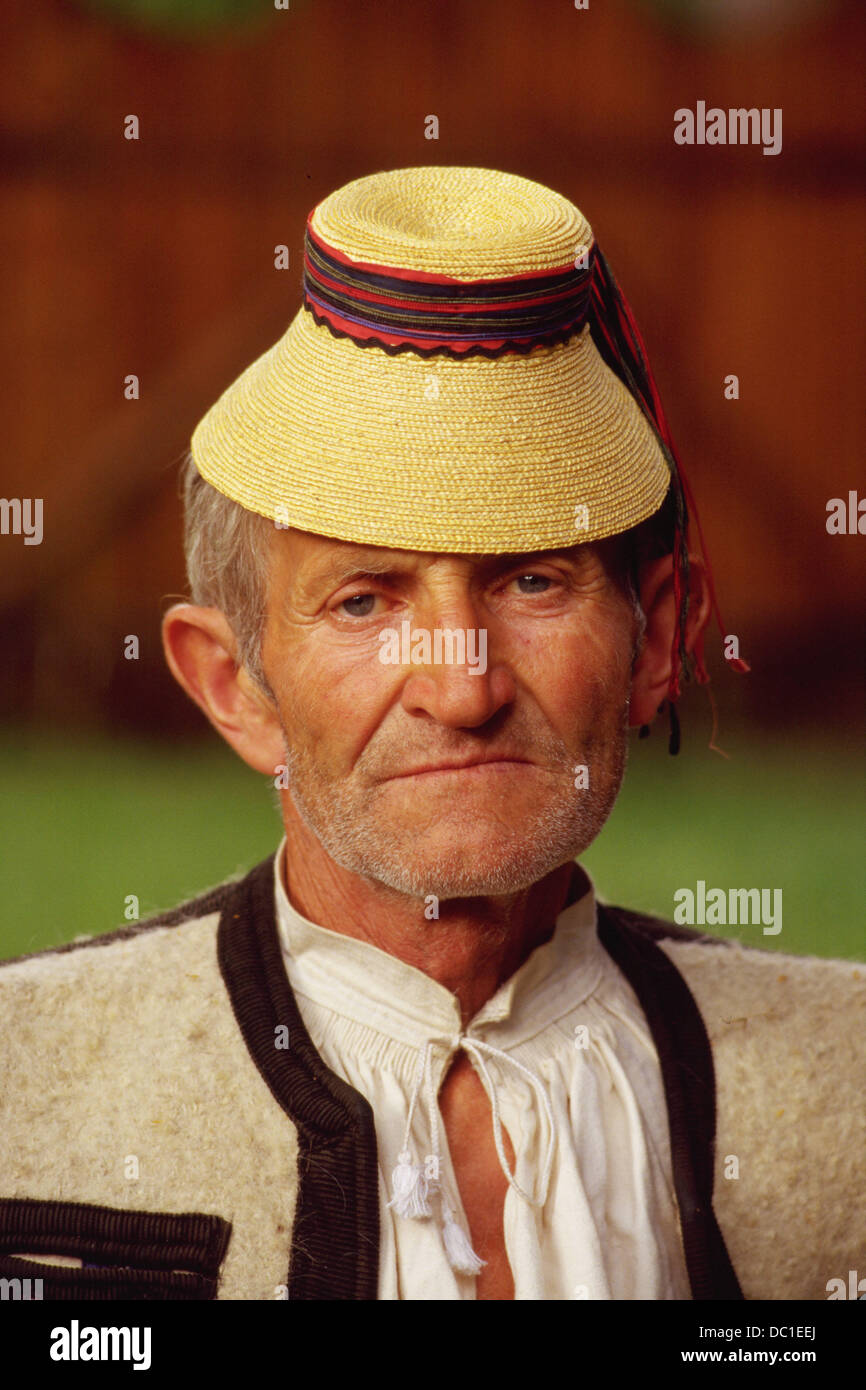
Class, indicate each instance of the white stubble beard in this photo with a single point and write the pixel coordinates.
(344, 819)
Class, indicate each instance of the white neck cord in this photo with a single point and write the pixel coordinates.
(411, 1184)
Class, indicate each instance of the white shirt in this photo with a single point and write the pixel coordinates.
(605, 1225)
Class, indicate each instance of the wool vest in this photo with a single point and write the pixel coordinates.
(169, 1130)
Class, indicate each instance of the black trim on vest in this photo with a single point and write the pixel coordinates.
(335, 1240)
(686, 1061)
(125, 1254)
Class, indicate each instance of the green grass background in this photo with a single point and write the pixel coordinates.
(86, 821)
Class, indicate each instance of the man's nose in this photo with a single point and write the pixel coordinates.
(460, 684)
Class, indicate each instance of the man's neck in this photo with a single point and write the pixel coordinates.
(473, 946)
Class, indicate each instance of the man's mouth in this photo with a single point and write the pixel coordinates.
(496, 764)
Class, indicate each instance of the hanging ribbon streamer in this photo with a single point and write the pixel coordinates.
(618, 339)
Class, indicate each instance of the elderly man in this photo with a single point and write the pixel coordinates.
(437, 546)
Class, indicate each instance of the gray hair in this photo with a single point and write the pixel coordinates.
(227, 551)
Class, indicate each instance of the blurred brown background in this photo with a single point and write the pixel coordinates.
(156, 257)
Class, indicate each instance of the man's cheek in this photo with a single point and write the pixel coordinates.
(332, 726)
(587, 699)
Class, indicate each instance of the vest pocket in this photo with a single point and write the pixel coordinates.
(105, 1253)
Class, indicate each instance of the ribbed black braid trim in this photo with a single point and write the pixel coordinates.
(335, 1240)
(127, 1254)
(686, 1061)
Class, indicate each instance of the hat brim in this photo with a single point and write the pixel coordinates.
(475, 456)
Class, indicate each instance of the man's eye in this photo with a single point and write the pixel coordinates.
(533, 583)
(358, 606)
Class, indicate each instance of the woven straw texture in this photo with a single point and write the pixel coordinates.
(523, 452)
(470, 224)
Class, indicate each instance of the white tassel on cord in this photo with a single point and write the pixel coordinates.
(458, 1247)
(461, 1256)
(409, 1188)
(409, 1183)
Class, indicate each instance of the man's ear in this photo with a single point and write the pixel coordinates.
(652, 670)
(201, 652)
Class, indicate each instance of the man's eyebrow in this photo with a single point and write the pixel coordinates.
(528, 557)
(343, 568)
(338, 569)
(572, 554)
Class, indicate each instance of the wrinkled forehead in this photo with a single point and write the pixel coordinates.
(308, 560)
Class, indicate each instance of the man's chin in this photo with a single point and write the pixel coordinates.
(468, 869)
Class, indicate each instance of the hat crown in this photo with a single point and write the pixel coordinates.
(464, 223)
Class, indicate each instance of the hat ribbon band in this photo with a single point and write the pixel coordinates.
(372, 304)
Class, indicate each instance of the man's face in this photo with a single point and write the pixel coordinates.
(436, 778)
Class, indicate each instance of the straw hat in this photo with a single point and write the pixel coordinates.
(448, 383)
